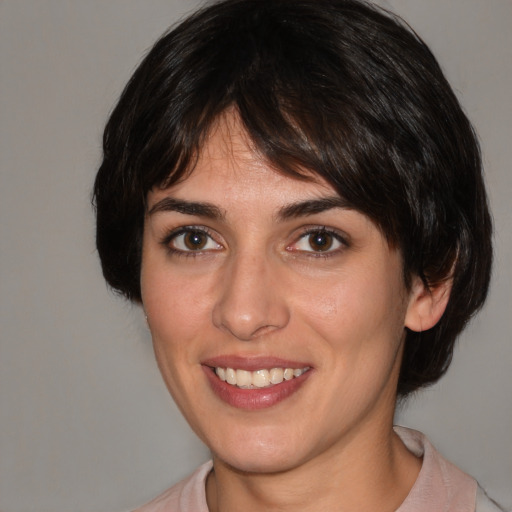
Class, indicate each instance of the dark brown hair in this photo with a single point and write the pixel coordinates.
(338, 87)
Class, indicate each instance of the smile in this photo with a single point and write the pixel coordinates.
(263, 378)
(255, 383)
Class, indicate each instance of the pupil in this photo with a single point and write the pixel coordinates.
(195, 240)
(320, 241)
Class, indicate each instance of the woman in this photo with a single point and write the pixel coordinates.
(294, 195)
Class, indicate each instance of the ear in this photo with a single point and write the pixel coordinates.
(426, 304)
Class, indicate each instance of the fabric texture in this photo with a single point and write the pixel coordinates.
(440, 486)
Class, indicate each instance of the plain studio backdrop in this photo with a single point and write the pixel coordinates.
(85, 421)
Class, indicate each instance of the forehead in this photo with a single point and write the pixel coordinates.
(229, 167)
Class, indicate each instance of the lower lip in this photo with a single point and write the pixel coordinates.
(253, 399)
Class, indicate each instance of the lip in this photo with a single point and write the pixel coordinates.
(253, 399)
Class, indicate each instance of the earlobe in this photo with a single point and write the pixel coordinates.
(426, 304)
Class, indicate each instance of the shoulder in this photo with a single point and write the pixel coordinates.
(186, 496)
(440, 484)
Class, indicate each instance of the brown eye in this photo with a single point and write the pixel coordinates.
(192, 240)
(195, 240)
(320, 241)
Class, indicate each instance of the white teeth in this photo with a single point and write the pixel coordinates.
(243, 378)
(276, 375)
(221, 373)
(288, 374)
(230, 376)
(259, 378)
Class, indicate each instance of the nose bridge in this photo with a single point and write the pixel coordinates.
(249, 303)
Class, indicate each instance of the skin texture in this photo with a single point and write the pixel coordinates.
(257, 287)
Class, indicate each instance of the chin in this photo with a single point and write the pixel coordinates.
(252, 452)
(256, 463)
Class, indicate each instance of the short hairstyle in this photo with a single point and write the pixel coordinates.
(339, 88)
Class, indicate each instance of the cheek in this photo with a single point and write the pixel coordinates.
(355, 303)
(176, 310)
(358, 321)
(176, 318)
(171, 308)
(358, 325)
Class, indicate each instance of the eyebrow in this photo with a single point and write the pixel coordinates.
(211, 211)
(312, 206)
(200, 209)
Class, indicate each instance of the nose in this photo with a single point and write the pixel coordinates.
(251, 300)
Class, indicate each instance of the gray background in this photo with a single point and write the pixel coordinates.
(86, 424)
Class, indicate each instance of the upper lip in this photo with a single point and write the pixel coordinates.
(253, 363)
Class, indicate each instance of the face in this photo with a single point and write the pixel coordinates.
(277, 312)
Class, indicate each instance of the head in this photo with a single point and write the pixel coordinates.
(335, 90)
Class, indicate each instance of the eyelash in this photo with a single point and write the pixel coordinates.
(321, 230)
(175, 233)
(313, 230)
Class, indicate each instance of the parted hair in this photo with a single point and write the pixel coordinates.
(339, 88)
